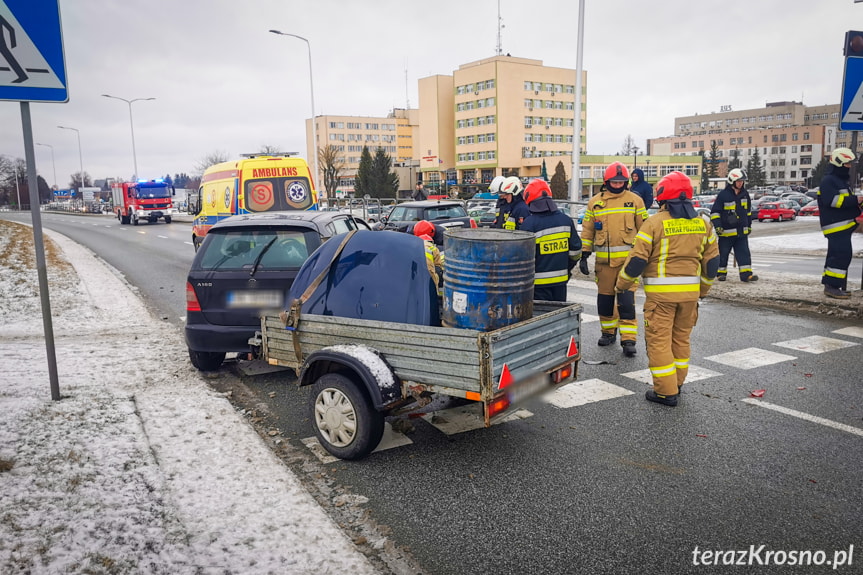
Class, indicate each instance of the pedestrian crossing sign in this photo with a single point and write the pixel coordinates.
(32, 64)
(852, 95)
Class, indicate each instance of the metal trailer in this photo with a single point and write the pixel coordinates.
(365, 370)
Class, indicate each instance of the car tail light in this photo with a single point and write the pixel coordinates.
(192, 303)
(498, 405)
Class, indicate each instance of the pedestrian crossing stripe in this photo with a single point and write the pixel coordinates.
(750, 358)
(696, 373)
(816, 344)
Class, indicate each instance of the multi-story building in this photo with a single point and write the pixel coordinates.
(791, 138)
(498, 116)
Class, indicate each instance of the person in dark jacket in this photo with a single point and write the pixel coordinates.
(419, 193)
(731, 217)
(512, 210)
(558, 247)
(838, 209)
(641, 187)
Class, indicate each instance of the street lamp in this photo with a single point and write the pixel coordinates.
(635, 157)
(131, 127)
(52, 162)
(80, 155)
(312, 89)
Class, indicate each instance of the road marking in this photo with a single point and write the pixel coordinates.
(389, 440)
(696, 373)
(801, 415)
(816, 344)
(467, 418)
(190, 243)
(584, 392)
(750, 358)
(163, 237)
(142, 232)
(587, 318)
(852, 331)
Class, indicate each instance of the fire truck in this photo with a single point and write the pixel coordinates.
(143, 200)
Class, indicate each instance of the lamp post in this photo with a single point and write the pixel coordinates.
(80, 155)
(131, 127)
(52, 162)
(312, 90)
(635, 157)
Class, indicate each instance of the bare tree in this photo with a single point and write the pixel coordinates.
(332, 164)
(212, 158)
(268, 150)
(629, 148)
(77, 183)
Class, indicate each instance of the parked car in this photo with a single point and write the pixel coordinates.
(777, 211)
(443, 213)
(764, 199)
(810, 209)
(245, 265)
(483, 216)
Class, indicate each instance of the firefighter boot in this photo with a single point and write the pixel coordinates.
(628, 348)
(835, 293)
(669, 400)
(721, 277)
(752, 278)
(607, 338)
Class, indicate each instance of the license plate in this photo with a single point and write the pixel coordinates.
(255, 299)
(534, 385)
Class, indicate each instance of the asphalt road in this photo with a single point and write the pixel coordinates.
(611, 484)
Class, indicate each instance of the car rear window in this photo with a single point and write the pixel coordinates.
(239, 249)
(769, 206)
(439, 212)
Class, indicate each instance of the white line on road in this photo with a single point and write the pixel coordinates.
(801, 415)
(142, 232)
(190, 243)
(163, 237)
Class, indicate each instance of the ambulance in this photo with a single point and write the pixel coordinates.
(255, 183)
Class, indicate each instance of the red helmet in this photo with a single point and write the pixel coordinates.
(538, 188)
(671, 186)
(424, 228)
(616, 172)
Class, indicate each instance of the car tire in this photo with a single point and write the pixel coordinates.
(346, 423)
(780, 219)
(760, 220)
(134, 219)
(196, 242)
(167, 219)
(206, 360)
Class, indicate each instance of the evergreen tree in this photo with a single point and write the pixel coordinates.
(754, 171)
(713, 160)
(735, 162)
(705, 182)
(363, 183)
(385, 181)
(818, 173)
(558, 185)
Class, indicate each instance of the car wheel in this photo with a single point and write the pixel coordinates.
(780, 219)
(346, 423)
(196, 241)
(167, 219)
(760, 220)
(134, 219)
(206, 360)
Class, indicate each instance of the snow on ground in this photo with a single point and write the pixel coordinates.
(141, 467)
(812, 243)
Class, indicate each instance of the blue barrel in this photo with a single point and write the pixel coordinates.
(488, 277)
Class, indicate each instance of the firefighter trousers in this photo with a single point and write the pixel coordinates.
(839, 255)
(740, 245)
(667, 327)
(611, 316)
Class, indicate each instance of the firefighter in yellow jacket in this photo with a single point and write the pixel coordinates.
(608, 230)
(677, 254)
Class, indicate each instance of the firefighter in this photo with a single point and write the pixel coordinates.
(512, 210)
(838, 209)
(558, 247)
(731, 216)
(677, 255)
(425, 231)
(608, 229)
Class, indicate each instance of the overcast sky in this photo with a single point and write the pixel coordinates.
(223, 83)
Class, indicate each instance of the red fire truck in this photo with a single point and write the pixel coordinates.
(143, 200)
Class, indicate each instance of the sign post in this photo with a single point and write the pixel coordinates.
(33, 69)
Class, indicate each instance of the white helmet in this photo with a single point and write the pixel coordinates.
(736, 174)
(511, 185)
(842, 156)
(494, 186)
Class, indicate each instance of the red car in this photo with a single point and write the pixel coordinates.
(810, 209)
(776, 211)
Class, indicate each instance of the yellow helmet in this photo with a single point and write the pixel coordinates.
(842, 156)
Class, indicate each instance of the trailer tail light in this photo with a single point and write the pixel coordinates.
(563, 373)
(192, 303)
(472, 223)
(498, 405)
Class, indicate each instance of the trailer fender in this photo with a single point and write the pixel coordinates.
(358, 362)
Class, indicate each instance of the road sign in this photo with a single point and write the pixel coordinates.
(32, 64)
(852, 95)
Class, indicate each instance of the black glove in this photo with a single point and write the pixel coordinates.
(582, 263)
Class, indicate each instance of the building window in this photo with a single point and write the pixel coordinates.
(805, 135)
(528, 85)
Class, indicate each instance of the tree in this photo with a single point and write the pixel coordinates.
(212, 158)
(544, 172)
(558, 185)
(76, 181)
(268, 150)
(385, 182)
(713, 160)
(754, 170)
(629, 148)
(332, 164)
(705, 182)
(362, 181)
(735, 161)
(818, 173)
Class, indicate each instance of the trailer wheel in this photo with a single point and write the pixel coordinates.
(346, 423)
(206, 360)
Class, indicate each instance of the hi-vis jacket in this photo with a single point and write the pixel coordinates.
(837, 205)
(731, 213)
(558, 247)
(609, 226)
(677, 257)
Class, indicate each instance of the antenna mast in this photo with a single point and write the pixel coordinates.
(499, 26)
(407, 95)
